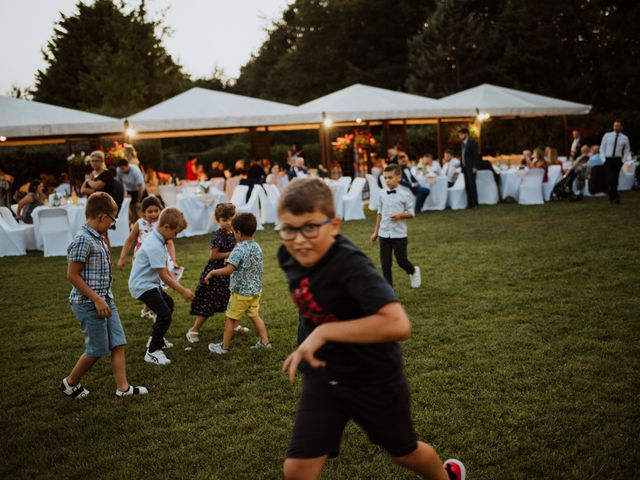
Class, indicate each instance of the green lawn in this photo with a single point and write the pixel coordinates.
(524, 360)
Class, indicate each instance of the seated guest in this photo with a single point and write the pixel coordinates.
(526, 159)
(298, 170)
(595, 172)
(580, 168)
(217, 170)
(202, 175)
(6, 181)
(411, 182)
(255, 176)
(552, 158)
(35, 198)
(322, 172)
(538, 160)
(266, 166)
(427, 166)
(336, 170)
(191, 169)
(595, 159)
(451, 167)
(238, 169)
(274, 177)
(64, 187)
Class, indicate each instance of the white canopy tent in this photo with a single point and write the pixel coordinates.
(200, 111)
(506, 102)
(23, 122)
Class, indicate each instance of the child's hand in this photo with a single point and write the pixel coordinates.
(187, 294)
(207, 279)
(396, 216)
(102, 308)
(304, 352)
(374, 237)
(121, 263)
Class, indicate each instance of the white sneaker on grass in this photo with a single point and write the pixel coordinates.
(193, 337)
(167, 343)
(261, 346)
(241, 329)
(415, 278)
(158, 358)
(129, 392)
(77, 392)
(217, 348)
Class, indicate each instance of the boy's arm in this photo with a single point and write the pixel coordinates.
(216, 254)
(389, 324)
(171, 248)
(376, 229)
(225, 271)
(126, 248)
(167, 278)
(401, 215)
(74, 277)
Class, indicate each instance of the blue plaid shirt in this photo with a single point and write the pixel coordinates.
(89, 247)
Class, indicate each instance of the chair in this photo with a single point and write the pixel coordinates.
(437, 199)
(531, 187)
(486, 187)
(352, 206)
(252, 205)
(29, 231)
(374, 192)
(626, 177)
(13, 240)
(169, 195)
(231, 185)
(54, 230)
(554, 175)
(269, 206)
(239, 197)
(346, 181)
(273, 194)
(457, 195)
(190, 189)
(217, 183)
(118, 236)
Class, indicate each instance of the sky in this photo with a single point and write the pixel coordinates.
(206, 33)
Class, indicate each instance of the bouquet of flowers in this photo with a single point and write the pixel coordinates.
(343, 143)
(114, 154)
(76, 159)
(364, 139)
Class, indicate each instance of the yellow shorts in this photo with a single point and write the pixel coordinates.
(240, 305)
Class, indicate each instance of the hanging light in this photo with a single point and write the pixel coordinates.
(483, 116)
(130, 132)
(358, 120)
(3, 138)
(327, 122)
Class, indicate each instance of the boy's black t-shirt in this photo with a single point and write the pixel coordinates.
(344, 285)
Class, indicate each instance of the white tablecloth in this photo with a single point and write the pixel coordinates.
(437, 185)
(510, 181)
(75, 214)
(199, 211)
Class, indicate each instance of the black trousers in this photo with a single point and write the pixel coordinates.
(135, 198)
(470, 187)
(399, 247)
(161, 304)
(612, 170)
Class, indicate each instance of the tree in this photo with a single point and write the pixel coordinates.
(109, 61)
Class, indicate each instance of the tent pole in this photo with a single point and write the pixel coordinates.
(405, 137)
(253, 139)
(439, 138)
(385, 137)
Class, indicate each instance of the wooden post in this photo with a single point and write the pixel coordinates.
(385, 137)
(267, 144)
(253, 140)
(439, 138)
(480, 139)
(405, 136)
(565, 124)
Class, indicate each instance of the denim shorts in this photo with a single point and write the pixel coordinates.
(101, 335)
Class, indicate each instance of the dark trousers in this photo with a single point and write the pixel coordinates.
(421, 194)
(135, 199)
(612, 171)
(470, 187)
(399, 247)
(161, 304)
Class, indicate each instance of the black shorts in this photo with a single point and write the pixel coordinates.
(382, 410)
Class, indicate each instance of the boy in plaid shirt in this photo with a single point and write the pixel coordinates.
(89, 272)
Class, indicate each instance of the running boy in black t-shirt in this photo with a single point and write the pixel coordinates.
(350, 321)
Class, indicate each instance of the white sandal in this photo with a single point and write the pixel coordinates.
(193, 337)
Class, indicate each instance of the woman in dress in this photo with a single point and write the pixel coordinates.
(35, 198)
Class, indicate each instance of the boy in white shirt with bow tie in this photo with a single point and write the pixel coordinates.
(395, 205)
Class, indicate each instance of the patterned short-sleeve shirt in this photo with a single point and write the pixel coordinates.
(89, 247)
(247, 278)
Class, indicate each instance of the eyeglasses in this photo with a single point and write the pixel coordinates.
(308, 230)
(113, 222)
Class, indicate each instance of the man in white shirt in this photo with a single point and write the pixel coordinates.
(614, 148)
(132, 179)
(298, 170)
(576, 144)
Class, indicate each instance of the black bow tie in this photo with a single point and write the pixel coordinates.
(389, 192)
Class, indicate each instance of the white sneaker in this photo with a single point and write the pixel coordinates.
(193, 337)
(132, 391)
(77, 392)
(261, 346)
(415, 278)
(167, 343)
(241, 329)
(158, 357)
(217, 348)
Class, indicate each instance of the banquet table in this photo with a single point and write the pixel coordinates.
(75, 214)
(199, 211)
(437, 185)
(510, 181)
(339, 190)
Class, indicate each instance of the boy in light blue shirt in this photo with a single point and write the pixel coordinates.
(245, 267)
(148, 270)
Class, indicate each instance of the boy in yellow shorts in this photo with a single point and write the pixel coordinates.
(245, 267)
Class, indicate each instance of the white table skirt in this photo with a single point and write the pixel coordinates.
(437, 199)
(75, 214)
(510, 181)
(199, 211)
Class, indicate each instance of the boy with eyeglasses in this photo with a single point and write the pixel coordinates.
(245, 267)
(89, 272)
(394, 206)
(349, 324)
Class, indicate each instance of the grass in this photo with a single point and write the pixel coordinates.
(524, 360)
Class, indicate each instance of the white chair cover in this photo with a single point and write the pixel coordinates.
(29, 230)
(269, 206)
(457, 195)
(626, 176)
(239, 197)
(55, 230)
(231, 185)
(554, 175)
(13, 240)
(486, 187)
(437, 199)
(199, 212)
(346, 181)
(531, 187)
(510, 181)
(253, 205)
(217, 183)
(374, 192)
(169, 195)
(353, 208)
(120, 234)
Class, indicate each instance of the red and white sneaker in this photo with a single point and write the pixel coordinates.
(455, 469)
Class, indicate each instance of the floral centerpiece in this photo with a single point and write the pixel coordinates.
(115, 153)
(342, 144)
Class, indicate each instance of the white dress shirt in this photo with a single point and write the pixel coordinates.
(399, 200)
(623, 147)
